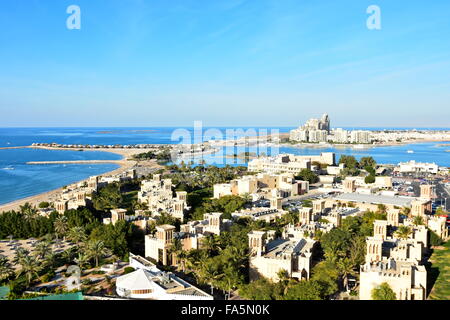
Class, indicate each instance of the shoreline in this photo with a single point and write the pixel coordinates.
(126, 162)
(124, 165)
(359, 146)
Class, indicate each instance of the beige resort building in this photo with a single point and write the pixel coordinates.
(270, 255)
(157, 246)
(289, 163)
(157, 194)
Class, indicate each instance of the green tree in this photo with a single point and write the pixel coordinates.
(261, 289)
(345, 267)
(77, 235)
(335, 244)
(42, 249)
(349, 161)
(210, 244)
(326, 274)
(96, 250)
(418, 221)
(382, 209)
(305, 290)
(6, 269)
(369, 179)
(307, 175)
(29, 267)
(29, 212)
(20, 255)
(403, 232)
(44, 205)
(61, 226)
(209, 273)
(383, 292)
(82, 260)
(108, 197)
(367, 162)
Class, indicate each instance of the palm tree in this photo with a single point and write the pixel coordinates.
(176, 249)
(357, 250)
(29, 211)
(382, 209)
(96, 249)
(42, 249)
(209, 274)
(49, 259)
(345, 267)
(61, 226)
(418, 221)
(21, 253)
(68, 255)
(77, 235)
(210, 244)
(194, 259)
(139, 205)
(30, 267)
(403, 232)
(230, 279)
(6, 269)
(82, 260)
(284, 278)
(237, 256)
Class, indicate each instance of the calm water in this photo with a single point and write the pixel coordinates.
(423, 152)
(18, 180)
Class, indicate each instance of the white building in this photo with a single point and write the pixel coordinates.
(270, 255)
(413, 167)
(148, 282)
(360, 136)
(407, 279)
(289, 163)
(314, 130)
(339, 136)
(318, 136)
(158, 195)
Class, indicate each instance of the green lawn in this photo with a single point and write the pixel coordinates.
(440, 267)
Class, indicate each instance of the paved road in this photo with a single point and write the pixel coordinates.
(442, 193)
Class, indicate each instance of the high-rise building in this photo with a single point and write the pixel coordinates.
(340, 135)
(360, 136)
(318, 136)
(314, 130)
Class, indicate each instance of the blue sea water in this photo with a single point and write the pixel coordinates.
(19, 180)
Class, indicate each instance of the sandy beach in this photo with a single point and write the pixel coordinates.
(125, 164)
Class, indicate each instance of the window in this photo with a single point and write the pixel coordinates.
(144, 291)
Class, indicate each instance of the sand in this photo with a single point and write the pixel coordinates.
(125, 164)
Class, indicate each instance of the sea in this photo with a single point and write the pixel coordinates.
(19, 180)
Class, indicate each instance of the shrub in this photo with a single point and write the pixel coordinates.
(44, 205)
(369, 179)
(435, 240)
(128, 270)
(98, 272)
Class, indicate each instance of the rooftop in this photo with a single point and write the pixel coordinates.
(376, 199)
(279, 247)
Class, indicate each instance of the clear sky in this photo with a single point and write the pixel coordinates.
(225, 62)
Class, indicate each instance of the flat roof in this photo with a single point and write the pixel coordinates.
(278, 247)
(376, 199)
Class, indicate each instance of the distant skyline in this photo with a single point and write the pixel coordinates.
(142, 63)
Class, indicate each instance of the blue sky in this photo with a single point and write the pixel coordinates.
(225, 62)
